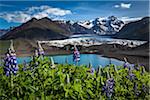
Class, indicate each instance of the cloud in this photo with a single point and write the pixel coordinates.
(37, 12)
(4, 5)
(123, 5)
(117, 6)
(129, 19)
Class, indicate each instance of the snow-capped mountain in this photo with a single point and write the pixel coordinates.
(86, 24)
(103, 26)
(63, 28)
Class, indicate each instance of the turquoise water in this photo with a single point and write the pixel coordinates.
(85, 59)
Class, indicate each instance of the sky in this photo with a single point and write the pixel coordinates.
(14, 13)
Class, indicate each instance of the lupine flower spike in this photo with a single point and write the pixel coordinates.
(92, 70)
(10, 61)
(108, 88)
(41, 51)
(76, 55)
(128, 65)
(36, 53)
(136, 91)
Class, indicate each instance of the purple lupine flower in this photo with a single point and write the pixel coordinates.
(40, 49)
(108, 88)
(136, 91)
(132, 66)
(125, 65)
(14, 57)
(14, 62)
(129, 66)
(76, 55)
(137, 67)
(7, 73)
(15, 68)
(92, 70)
(6, 69)
(10, 63)
(131, 76)
(140, 67)
(40, 52)
(6, 64)
(36, 53)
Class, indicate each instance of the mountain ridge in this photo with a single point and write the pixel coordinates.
(138, 30)
(47, 29)
(34, 28)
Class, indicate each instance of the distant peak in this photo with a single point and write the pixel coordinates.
(112, 18)
(33, 19)
(46, 18)
(146, 18)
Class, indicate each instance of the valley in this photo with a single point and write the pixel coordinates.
(59, 37)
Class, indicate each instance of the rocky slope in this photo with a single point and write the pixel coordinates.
(3, 31)
(138, 30)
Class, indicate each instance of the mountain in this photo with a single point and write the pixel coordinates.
(104, 26)
(138, 30)
(74, 27)
(80, 29)
(45, 29)
(3, 31)
(37, 29)
(127, 20)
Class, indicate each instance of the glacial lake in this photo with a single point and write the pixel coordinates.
(85, 59)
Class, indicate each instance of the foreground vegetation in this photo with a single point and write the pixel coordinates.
(42, 79)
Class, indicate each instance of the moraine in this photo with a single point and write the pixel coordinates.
(92, 39)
